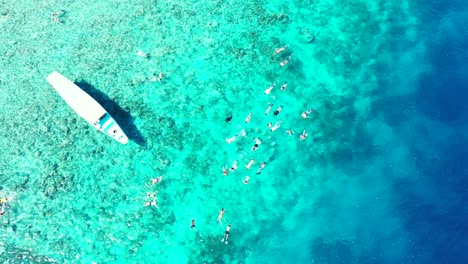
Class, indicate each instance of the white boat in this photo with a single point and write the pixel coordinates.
(85, 106)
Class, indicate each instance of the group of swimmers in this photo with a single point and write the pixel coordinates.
(153, 201)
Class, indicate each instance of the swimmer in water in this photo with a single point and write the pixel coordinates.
(225, 171)
(142, 54)
(285, 61)
(283, 87)
(258, 141)
(193, 224)
(220, 215)
(234, 166)
(246, 180)
(277, 111)
(157, 179)
(247, 119)
(226, 234)
(262, 166)
(270, 125)
(251, 162)
(304, 135)
(280, 49)
(276, 126)
(229, 118)
(151, 195)
(268, 90)
(156, 77)
(230, 140)
(268, 109)
(152, 203)
(306, 114)
(290, 132)
(57, 15)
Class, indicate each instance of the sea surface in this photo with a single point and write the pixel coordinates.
(382, 176)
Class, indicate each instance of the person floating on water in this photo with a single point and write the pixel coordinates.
(152, 203)
(258, 141)
(234, 166)
(193, 224)
(268, 90)
(304, 135)
(306, 114)
(229, 118)
(276, 126)
(57, 15)
(247, 119)
(283, 87)
(268, 109)
(157, 77)
(262, 166)
(246, 180)
(251, 162)
(3, 204)
(231, 139)
(277, 111)
(225, 171)
(226, 234)
(220, 215)
(142, 54)
(285, 61)
(3, 200)
(157, 179)
(280, 49)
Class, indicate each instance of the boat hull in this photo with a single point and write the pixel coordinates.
(86, 107)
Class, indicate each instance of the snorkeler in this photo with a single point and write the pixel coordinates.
(157, 179)
(262, 166)
(226, 234)
(225, 171)
(268, 109)
(303, 135)
(277, 111)
(152, 203)
(246, 180)
(285, 61)
(276, 126)
(306, 114)
(258, 141)
(142, 54)
(231, 139)
(234, 166)
(268, 90)
(229, 118)
(220, 215)
(251, 162)
(247, 119)
(280, 49)
(283, 87)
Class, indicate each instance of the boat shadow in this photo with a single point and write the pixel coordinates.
(121, 116)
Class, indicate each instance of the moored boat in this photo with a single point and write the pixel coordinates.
(86, 107)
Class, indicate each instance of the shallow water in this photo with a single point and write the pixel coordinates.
(380, 178)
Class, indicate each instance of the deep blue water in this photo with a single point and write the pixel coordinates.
(434, 200)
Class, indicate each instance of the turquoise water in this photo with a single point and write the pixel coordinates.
(331, 198)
